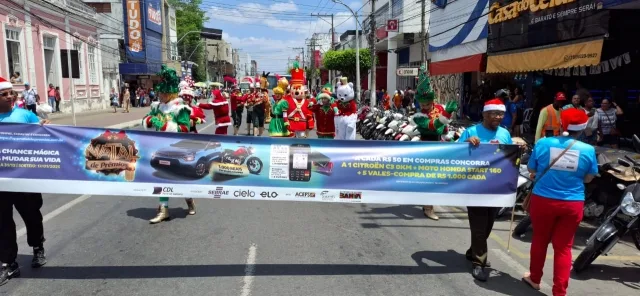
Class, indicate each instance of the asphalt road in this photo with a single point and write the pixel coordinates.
(103, 245)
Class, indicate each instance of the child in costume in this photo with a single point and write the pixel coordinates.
(432, 119)
(220, 107)
(298, 111)
(325, 113)
(345, 120)
(279, 126)
(169, 114)
(187, 96)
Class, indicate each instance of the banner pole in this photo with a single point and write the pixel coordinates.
(513, 214)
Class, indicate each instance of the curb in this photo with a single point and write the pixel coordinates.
(126, 125)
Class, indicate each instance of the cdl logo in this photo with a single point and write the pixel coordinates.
(158, 190)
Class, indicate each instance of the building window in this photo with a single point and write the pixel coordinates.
(174, 49)
(13, 52)
(78, 46)
(100, 7)
(396, 7)
(93, 72)
(50, 53)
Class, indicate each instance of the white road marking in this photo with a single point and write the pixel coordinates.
(22, 231)
(442, 212)
(517, 267)
(249, 270)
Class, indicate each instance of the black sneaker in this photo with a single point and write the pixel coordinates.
(8, 271)
(479, 273)
(39, 258)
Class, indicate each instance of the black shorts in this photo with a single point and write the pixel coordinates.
(237, 116)
(249, 116)
(258, 119)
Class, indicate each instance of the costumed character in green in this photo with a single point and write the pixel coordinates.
(279, 125)
(325, 111)
(169, 114)
(432, 119)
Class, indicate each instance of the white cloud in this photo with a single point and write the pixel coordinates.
(284, 7)
(270, 54)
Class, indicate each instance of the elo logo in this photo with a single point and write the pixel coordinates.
(267, 194)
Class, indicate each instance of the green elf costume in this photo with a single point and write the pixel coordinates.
(325, 111)
(279, 125)
(169, 114)
(432, 119)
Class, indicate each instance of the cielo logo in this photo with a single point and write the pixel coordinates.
(244, 193)
(306, 194)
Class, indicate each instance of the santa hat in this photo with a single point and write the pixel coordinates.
(218, 98)
(494, 105)
(560, 96)
(573, 119)
(5, 84)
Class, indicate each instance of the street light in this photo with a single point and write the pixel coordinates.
(357, 48)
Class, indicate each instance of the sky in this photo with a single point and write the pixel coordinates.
(269, 30)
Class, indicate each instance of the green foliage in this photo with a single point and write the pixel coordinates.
(190, 17)
(345, 61)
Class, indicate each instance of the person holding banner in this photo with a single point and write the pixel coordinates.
(556, 206)
(220, 107)
(432, 120)
(27, 204)
(170, 114)
(481, 219)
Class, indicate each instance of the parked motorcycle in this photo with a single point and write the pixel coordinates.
(623, 220)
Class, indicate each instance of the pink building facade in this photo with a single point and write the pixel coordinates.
(33, 35)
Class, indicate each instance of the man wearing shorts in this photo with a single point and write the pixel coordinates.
(259, 112)
(237, 108)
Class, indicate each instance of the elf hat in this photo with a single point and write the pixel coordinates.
(5, 84)
(170, 81)
(494, 105)
(424, 92)
(573, 119)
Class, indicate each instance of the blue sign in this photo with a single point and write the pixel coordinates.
(153, 15)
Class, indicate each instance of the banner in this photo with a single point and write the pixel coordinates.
(517, 24)
(154, 16)
(74, 160)
(134, 30)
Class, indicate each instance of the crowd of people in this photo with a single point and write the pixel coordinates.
(565, 133)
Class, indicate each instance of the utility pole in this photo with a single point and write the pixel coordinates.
(333, 34)
(301, 49)
(372, 48)
(423, 35)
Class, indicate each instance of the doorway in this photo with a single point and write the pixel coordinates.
(50, 60)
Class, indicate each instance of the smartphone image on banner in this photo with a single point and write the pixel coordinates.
(299, 162)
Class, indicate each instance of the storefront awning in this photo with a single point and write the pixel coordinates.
(472, 63)
(564, 56)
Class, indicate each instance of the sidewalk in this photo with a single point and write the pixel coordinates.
(103, 118)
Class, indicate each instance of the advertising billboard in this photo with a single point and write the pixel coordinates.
(154, 15)
(134, 30)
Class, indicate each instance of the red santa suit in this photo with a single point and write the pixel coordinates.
(220, 107)
(325, 115)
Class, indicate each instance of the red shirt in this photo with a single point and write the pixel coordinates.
(237, 101)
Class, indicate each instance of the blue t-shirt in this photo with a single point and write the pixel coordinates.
(512, 108)
(19, 115)
(498, 136)
(565, 180)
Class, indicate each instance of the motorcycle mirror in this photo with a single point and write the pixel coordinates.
(624, 163)
(621, 187)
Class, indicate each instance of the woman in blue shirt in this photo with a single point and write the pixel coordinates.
(558, 197)
(481, 219)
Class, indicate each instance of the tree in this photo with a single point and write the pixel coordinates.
(189, 17)
(345, 61)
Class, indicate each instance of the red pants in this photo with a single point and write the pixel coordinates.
(553, 221)
(221, 130)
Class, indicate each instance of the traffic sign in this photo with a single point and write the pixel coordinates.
(392, 25)
(407, 72)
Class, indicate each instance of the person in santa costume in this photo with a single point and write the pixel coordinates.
(220, 107)
(325, 112)
(169, 114)
(432, 120)
(298, 112)
(279, 126)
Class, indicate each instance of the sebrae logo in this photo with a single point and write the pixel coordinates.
(219, 192)
(306, 194)
(112, 153)
(351, 195)
(154, 15)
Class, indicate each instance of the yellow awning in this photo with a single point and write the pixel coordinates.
(565, 56)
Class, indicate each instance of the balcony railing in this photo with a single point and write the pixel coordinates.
(75, 6)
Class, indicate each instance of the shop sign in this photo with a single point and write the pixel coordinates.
(407, 72)
(154, 16)
(392, 25)
(134, 25)
(530, 23)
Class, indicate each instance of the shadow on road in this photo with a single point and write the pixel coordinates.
(626, 275)
(148, 213)
(401, 211)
